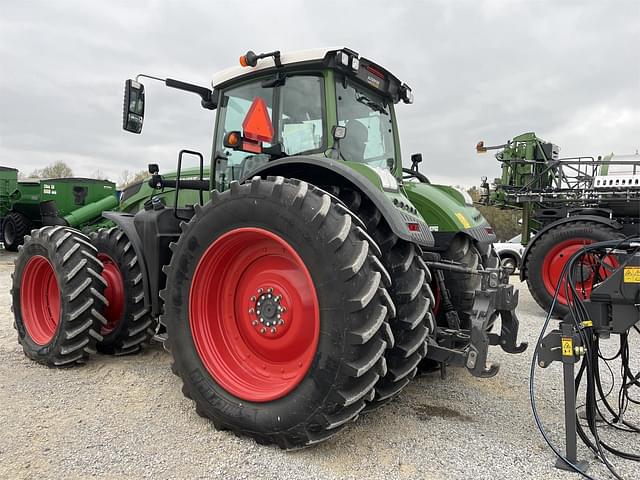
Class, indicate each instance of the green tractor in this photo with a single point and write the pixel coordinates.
(297, 281)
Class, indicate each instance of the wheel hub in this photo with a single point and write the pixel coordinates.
(267, 312)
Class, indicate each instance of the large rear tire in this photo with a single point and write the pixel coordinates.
(14, 228)
(129, 322)
(410, 292)
(58, 296)
(276, 312)
(550, 253)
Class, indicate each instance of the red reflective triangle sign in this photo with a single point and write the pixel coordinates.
(257, 125)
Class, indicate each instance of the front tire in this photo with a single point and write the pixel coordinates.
(276, 312)
(462, 286)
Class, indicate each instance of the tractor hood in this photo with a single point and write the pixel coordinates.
(447, 212)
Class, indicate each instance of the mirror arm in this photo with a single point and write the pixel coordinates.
(205, 93)
(208, 96)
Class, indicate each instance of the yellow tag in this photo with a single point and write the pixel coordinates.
(463, 220)
(587, 323)
(631, 274)
(567, 347)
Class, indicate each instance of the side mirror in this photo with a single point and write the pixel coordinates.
(133, 108)
(416, 158)
(153, 168)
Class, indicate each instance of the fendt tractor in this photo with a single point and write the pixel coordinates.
(566, 203)
(302, 285)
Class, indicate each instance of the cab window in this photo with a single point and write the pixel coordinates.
(297, 119)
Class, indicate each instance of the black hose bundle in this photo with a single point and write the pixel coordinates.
(595, 256)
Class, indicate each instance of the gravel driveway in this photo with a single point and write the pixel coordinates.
(126, 417)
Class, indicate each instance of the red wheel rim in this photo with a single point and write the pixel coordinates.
(558, 257)
(114, 293)
(40, 300)
(254, 315)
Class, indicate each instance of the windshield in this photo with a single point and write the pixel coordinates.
(369, 125)
(298, 122)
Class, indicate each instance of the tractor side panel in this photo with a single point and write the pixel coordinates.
(447, 215)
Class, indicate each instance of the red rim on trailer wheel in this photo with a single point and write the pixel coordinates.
(40, 300)
(254, 314)
(114, 293)
(584, 273)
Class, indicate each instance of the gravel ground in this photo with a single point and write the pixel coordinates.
(126, 417)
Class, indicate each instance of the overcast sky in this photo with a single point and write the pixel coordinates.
(570, 71)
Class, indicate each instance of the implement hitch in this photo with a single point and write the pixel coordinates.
(468, 344)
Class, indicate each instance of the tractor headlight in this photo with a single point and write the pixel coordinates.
(355, 64)
(468, 201)
(387, 179)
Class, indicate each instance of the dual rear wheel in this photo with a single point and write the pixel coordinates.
(74, 294)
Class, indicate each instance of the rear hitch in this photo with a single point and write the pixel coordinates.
(469, 346)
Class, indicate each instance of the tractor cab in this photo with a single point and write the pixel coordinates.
(327, 103)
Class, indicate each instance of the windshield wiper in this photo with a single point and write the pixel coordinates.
(371, 104)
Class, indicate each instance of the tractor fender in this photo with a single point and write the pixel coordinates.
(609, 222)
(124, 221)
(334, 172)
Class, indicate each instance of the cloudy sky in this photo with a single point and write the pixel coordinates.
(489, 70)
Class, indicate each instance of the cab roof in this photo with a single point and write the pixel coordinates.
(286, 58)
(344, 59)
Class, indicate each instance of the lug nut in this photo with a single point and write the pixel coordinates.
(270, 290)
(273, 329)
(259, 291)
(281, 322)
(263, 330)
(254, 323)
(253, 298)
(251, 310)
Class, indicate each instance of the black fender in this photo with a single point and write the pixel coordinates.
(125, 222)
(609, 222)
(334, 172)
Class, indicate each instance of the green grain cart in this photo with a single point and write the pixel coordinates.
(29, 204)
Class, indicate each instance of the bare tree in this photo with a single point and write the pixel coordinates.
(57, 169)
(99, 174)
(128, 177)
